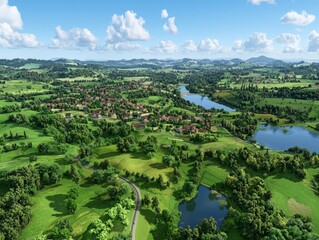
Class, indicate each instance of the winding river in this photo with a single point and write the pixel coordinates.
(203, 101)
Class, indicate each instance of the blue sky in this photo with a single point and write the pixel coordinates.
(125, 29)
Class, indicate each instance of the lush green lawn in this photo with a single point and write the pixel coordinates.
(275, 83)
(49, 207)
(293, 196)
(214, 174)
(20, 157)
(30, 66)
(22, 87)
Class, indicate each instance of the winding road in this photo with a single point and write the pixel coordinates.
(138, 199)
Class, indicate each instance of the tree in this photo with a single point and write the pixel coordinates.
(168, 160)
(155, 202)
(75, 175)
(99, 230)
(43, 148)
(160, 180)
(71, 205)
(146, 200)
(73, 193)
(70, 158)
(33, 158)
(61, 231)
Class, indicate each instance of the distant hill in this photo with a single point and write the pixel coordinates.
(263, 60)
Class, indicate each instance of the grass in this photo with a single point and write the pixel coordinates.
(293, 196)
(22, 87)
(30, 66)
(77, 78)
(20, 157)
(275, 83)
(214, 174)
(49, 207)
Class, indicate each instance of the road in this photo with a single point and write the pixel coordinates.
(138, 202)
(138, 199)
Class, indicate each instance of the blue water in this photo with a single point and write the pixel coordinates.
(276, 138)
(203, 101)
(203, 206)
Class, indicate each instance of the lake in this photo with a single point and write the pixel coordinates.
(282, 138)
(203, 101)
(205, 205)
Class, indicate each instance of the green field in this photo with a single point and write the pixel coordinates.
(49, 207)
(294, 196)
(22, 87)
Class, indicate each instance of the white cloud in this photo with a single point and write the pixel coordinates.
(209, 45)
(123, 46)
(74, 38)
(167, 47)
(189, 46)
(10, 24)
(9, 38)
(238, 45)
(164, 13)
(313, 45)
(299, 19)
(290, 41)
(127, 27)
(257, 42)
(10, 15)
(258, 2)
(170, 26)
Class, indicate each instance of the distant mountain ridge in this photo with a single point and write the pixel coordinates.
(263, 60)
(157, 63)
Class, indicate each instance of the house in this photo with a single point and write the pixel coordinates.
(213, 128)
(68, 115)
(138, 125)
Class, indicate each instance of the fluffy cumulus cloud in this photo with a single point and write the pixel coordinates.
(10, 27)
(164, 13)
(189, 46)
(74, 38)
(10, 15)
(167, 47)
(258, 2)
(291, 42)
(209, 45)
(127, 27)
(257, 42)
(123, 46)
(170, 26)
(299, 19)
(313, 45)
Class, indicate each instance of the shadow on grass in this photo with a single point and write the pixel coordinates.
(61, 161)
(87, 183)
(160, 230)
(148, 214)
(158, 166)
(57, 202)
(287, 176)
(108, 155)
(23, 155)
(139, 155)
(100, 201)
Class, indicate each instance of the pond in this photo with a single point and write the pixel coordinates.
(203, 101)
(282, 138)
(205, 205)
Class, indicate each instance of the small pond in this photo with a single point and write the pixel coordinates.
(205, 205)
(203, 101)
(282, 138)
